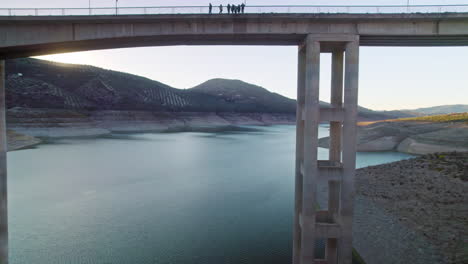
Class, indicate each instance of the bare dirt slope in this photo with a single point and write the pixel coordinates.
(428, 194)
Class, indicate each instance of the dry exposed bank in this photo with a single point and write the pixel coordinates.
(416, 210)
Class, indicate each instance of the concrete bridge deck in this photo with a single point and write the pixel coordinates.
(22, 36)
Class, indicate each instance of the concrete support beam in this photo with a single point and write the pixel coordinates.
(326, 230)
(349, 150)
(312, 107)
(3, 171)
(334, 116)
(301, 65)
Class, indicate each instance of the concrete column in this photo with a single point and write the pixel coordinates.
(312, 108)
(349, 150)
(336, 101)
(335, 146)
(301, 61)
(333, 207)
(3, 171)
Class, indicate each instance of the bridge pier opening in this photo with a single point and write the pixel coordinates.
(334, 225)
(3, 171)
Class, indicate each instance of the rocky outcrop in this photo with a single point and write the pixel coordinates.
(454, 138)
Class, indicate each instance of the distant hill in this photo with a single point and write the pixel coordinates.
(366, 113)
(442, 109)
(246, 96)
(33, 83)
(401, 113)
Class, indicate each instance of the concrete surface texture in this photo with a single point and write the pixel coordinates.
(22, 36)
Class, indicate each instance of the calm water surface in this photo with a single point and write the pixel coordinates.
(158, 198)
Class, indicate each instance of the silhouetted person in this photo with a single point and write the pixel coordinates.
(242, 8)
(210, 8)
(220, 8)
(238, 9)
(229, 8)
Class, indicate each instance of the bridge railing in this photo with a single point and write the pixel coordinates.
(254, 9)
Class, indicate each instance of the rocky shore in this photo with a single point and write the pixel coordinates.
(413, 136)
(413, 211)
(18, 141)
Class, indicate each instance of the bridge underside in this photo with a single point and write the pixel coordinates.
(221, 39)
(30, 35)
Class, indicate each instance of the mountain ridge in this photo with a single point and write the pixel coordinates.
(440, 109)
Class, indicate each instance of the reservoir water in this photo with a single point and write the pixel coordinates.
(155, 198)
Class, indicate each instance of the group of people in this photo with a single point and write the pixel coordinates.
(234, 9)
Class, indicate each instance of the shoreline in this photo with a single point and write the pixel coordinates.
(415, 138)
(30, 127)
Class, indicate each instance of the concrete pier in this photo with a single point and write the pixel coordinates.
(332, 224)
(3, 171)
(301, 68)
(311, 121)
(349, 150)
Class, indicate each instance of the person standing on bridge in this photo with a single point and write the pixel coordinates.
(210, 8)
(242, 8)
(229, 8)
(221, 8)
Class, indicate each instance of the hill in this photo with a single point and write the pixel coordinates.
(246, 96)
(33, 83)
(442, 109)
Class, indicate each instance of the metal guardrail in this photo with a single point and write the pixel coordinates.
(254, 9)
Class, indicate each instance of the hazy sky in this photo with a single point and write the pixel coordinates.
(390, 78)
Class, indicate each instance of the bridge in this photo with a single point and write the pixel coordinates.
(313, 33)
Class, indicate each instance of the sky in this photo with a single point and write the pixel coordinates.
(389, 78)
